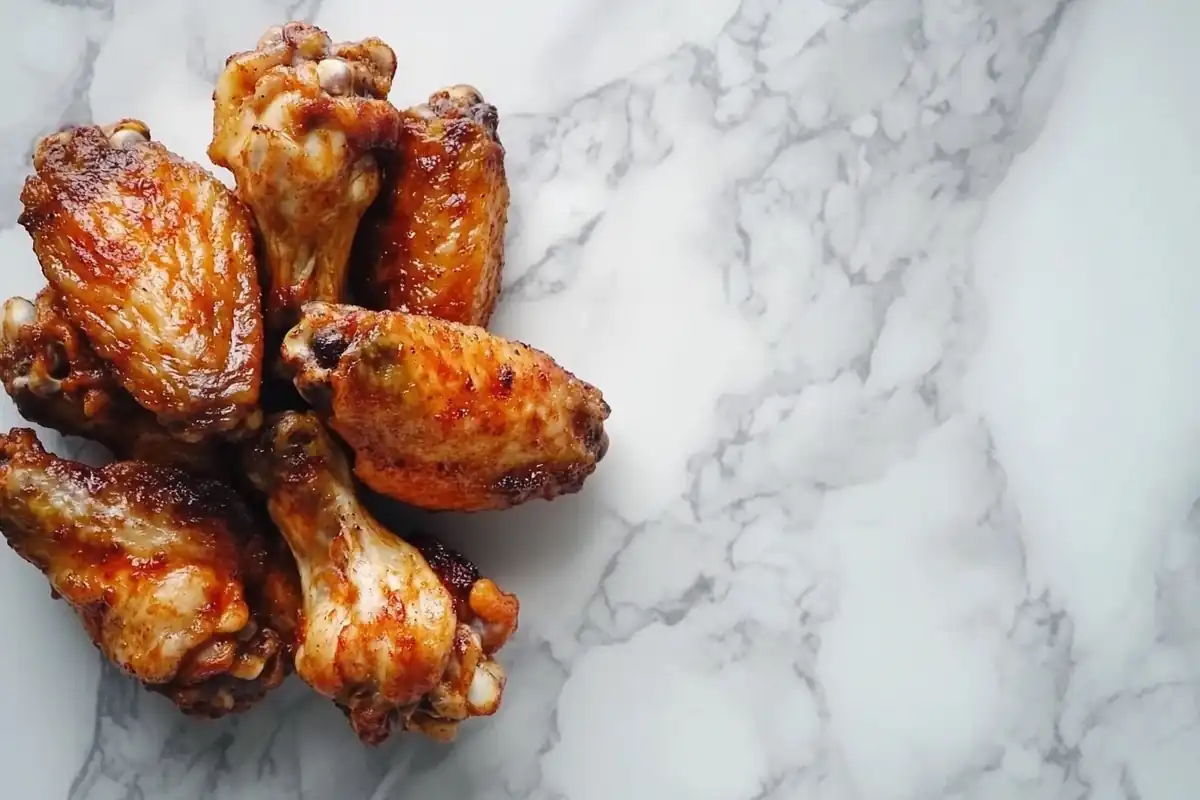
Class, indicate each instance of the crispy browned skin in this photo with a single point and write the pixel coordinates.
(296, 121)
(56, 380)
(380, 634)
(161, 566)
(153, 259)
(434, 241)
(487, 617)
(446, 416)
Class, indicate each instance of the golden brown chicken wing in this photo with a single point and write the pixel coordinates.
(56, 380)
(153, 259)
(473, 681)
(434, 241)
(446, 416)
(162, 567)
(296, 121)
(381, 632)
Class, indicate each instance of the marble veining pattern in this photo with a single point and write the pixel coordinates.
(801, 571)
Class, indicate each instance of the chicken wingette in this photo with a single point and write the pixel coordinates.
(445, 416)
(433, 243)
(152, 259)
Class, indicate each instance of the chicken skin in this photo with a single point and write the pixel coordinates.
(473, 681)
(153, 261)
(297, 121)
(434, 241)
(165, 570)
(56, 380)
(382, 633)
(445, 416)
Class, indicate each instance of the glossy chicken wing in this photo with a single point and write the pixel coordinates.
(297, 121)
(153, 260)
(381, 632)
(473, 682)
(446, 416)
(162, 567)
(434, 241)
(56, 380)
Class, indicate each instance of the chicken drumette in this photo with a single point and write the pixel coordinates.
(166, 571)
(487, 616)
(152, 259)
(388, 637)
(296, 121)
(56, 380)
(434, 241)
(446, 416)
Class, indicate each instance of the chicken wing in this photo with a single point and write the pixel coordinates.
(382, 633)
(473, 681)
(446, 416)
(296, 121)
(434, 241)
(56, 380)
(163, 569)
(153, 259)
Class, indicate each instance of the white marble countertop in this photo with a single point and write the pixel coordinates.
(894, 302)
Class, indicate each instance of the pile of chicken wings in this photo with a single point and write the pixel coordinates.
(248, 356)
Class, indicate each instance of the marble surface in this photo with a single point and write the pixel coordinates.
(893, 301)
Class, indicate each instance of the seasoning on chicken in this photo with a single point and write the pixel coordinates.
(165, 569)
(390, 639)
(433, 243)
(56, 380)
(153, 261)
(487, 616)
(445, 416)
(297, 121)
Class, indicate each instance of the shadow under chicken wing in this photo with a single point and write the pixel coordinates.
(296, 120)
(445, 416)
(433, 243)
(165, 570)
